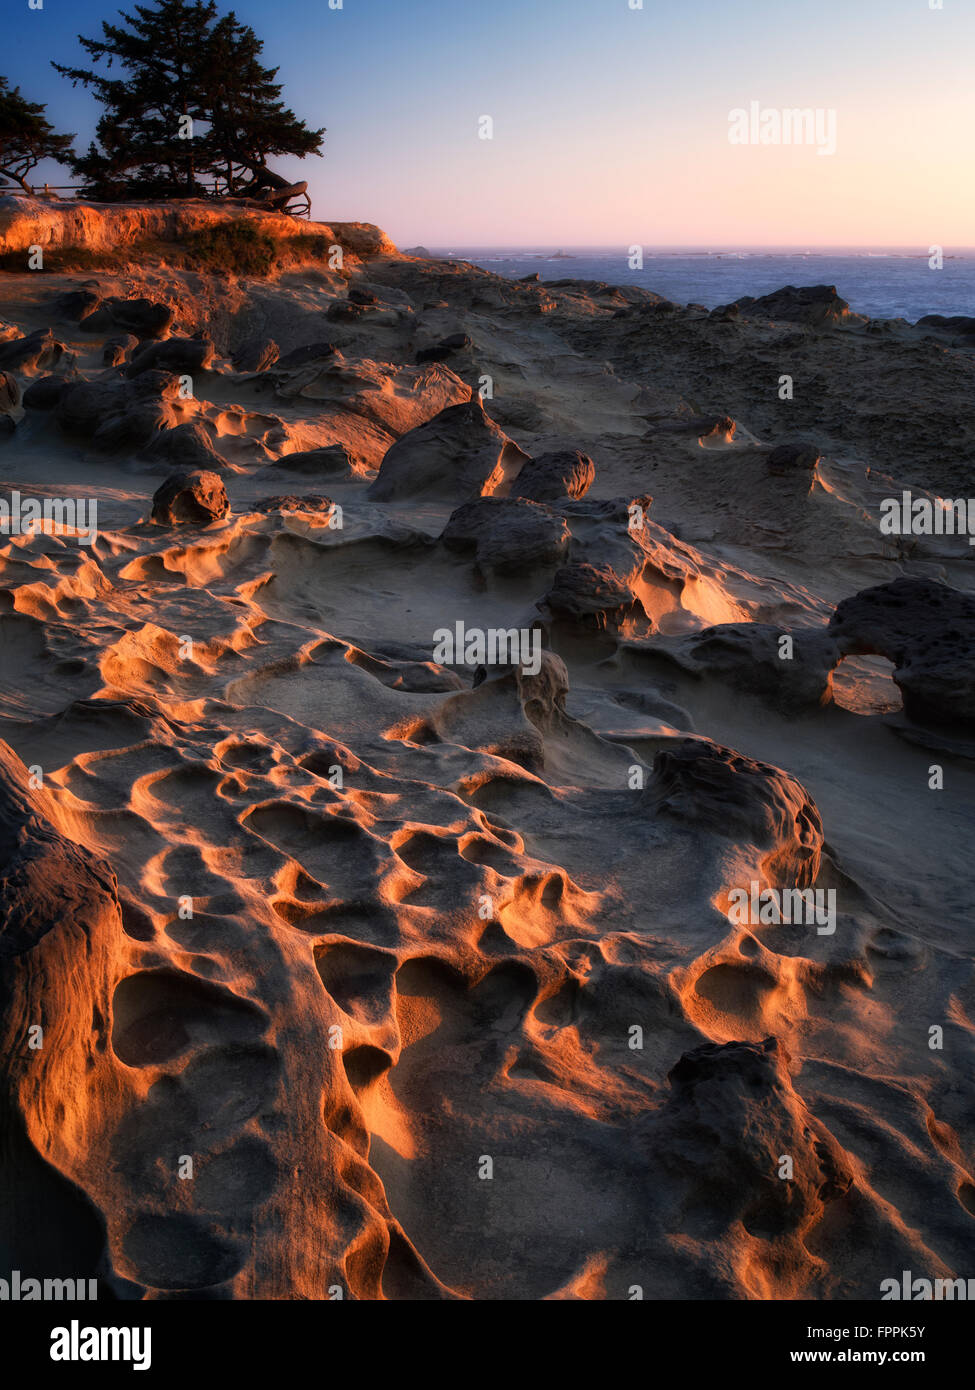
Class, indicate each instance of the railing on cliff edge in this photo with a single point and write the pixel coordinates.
(293, 199)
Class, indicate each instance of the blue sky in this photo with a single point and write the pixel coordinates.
(610, 124)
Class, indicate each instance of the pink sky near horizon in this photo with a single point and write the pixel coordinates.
(616, 131)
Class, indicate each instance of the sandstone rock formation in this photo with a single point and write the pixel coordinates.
(197, 497)
(562, 473)
(925, 629)
(357, 845)
(114, 413)
(507, 534)
(807, 304)
(458, 455)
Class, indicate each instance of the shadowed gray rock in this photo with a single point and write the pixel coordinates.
(926, 629)
(702, 783)
(290, 502)
(140, 316)
(76, 305)
(592, 592)
(550, 477)
(197, 497)
(255, 355)
(332, 459)
(38, 349)
(45, 392)
(180, 355)
(117, 348)
(344, 312)
(458, 455)
(806, 304)
(187, 445)
(506, 534)
(732, 1111)
(961, 324)
(114, 413)
(748, 657)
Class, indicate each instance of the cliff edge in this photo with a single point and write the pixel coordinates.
(108, 227)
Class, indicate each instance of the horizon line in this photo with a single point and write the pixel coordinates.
(702, 246)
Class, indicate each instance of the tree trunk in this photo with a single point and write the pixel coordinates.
(10, 174)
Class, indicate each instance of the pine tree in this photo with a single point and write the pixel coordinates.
(249, 122)
(195, 103)
(26, 136)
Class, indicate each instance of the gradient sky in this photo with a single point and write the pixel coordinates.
(610, 124)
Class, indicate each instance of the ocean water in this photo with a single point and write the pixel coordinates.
(881, 284)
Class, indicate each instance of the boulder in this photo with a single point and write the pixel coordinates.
(45, 393)
(806, 304)
(143, 317)
(507, 535)
(185, 446)
(594, 593)
(331, 460)
(616, 553)
(117, 348)
(714, 431)
(458, 455)
(725, 313)
(184, 356)
(550, 477)
(311, 502)
(925, 628)
(76, 305)
(255, 355)
(197, 497)
(755, 803)
(715, 1146)
(962, 324)
(747, 657)
(381, 294)
(344, 312)
(114, 413)
(39, 349)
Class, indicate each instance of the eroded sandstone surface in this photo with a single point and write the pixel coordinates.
(363, 974)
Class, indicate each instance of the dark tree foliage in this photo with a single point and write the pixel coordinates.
(249, 122)
(192, 103)
(26, 136)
